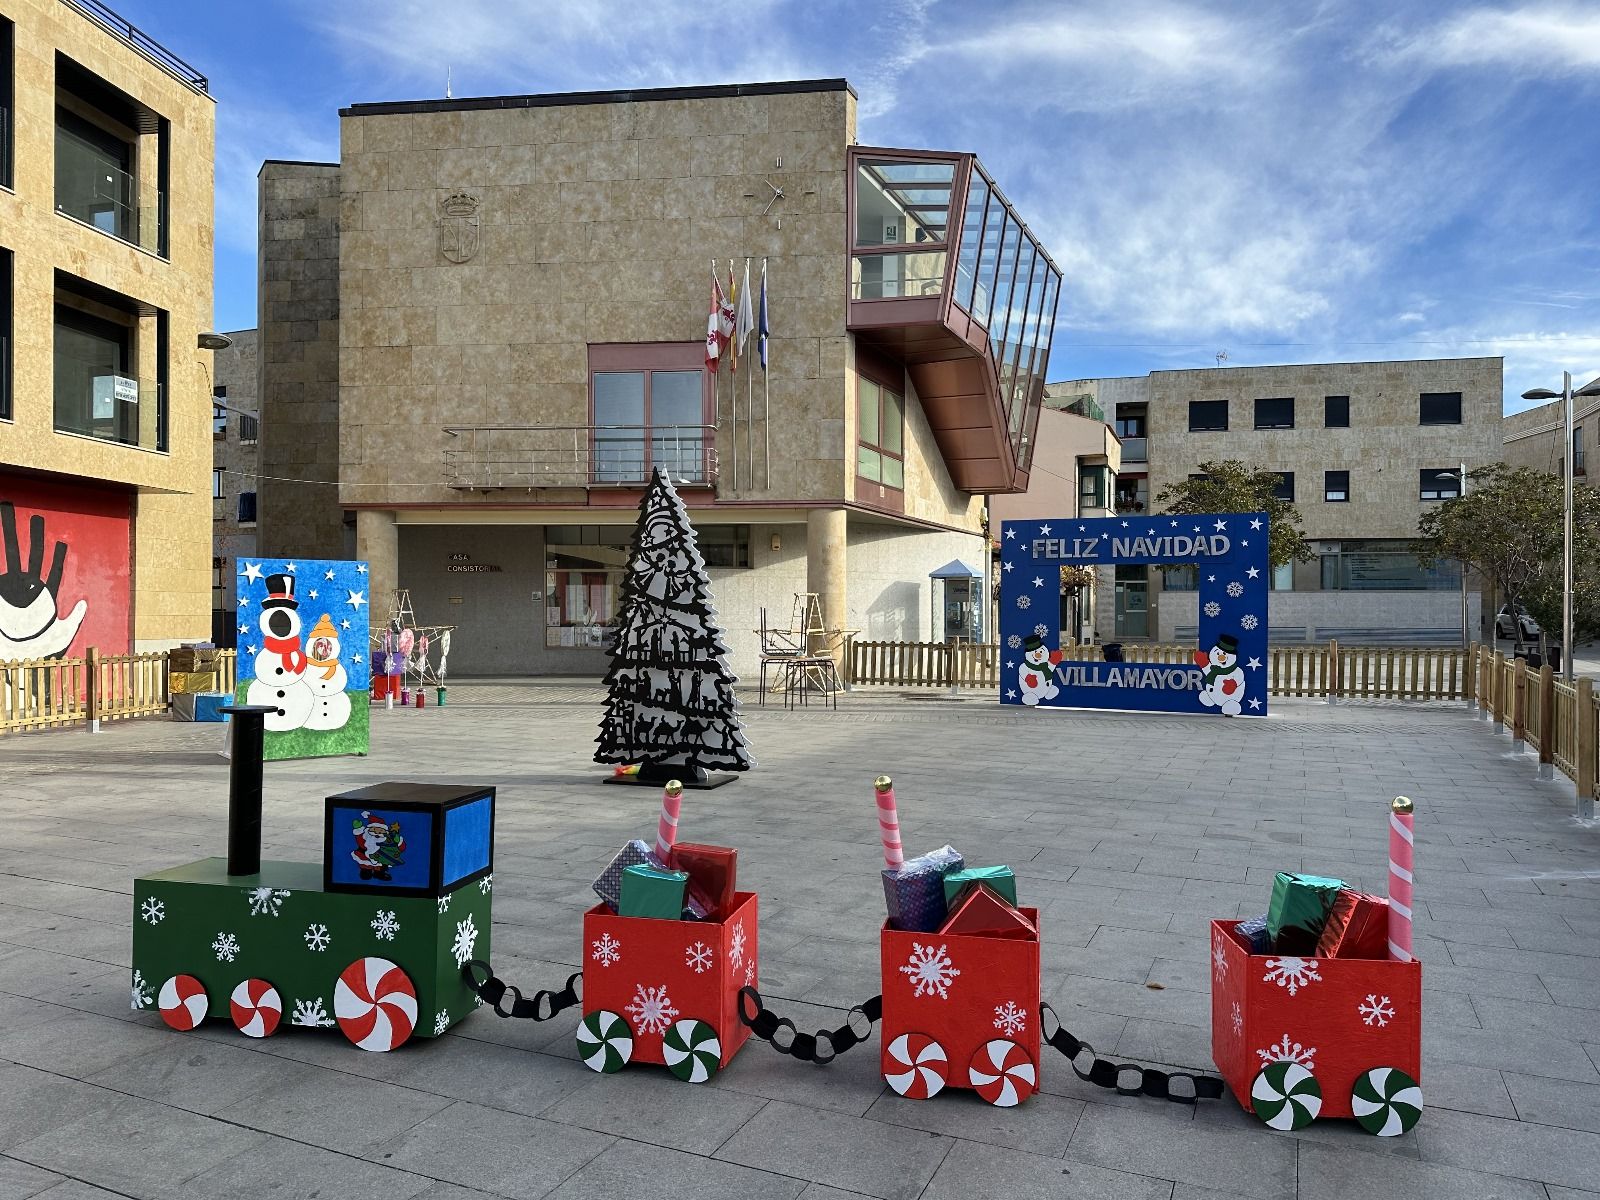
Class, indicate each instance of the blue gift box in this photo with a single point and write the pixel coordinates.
(408, 839)
(208, 706)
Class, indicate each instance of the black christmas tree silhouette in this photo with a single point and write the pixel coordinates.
(670, 706)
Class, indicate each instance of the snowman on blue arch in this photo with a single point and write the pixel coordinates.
(1222, 683)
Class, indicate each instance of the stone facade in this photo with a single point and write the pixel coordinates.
(236, 452)
(163, 268)
(1535, 436)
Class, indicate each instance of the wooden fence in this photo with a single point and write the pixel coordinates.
(51, 693)
(1558, 721)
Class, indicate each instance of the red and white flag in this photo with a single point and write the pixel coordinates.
(715, 340)
(728, 319)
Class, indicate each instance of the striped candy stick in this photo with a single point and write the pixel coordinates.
(894, 855)
(667, 826)
(1400, 880)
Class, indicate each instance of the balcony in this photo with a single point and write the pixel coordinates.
(102, 195)
(1133, 450)
(109, 407)
(524, 457)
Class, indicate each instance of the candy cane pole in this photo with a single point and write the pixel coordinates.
(667, 826)
(894, 855)
(1400, 845)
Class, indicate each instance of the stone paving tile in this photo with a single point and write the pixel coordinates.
(632, 1169)
(317, 1107)
(649, 1105)
(281, 1170)
(33, 1102)
(972, 1170)
(1555, 1102)
(1042, 1126)
(19, 1180)
(203, 1076)
(1513, 1148)
(1242, 1161)
(1325, 1174)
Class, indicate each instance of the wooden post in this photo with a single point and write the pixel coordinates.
(1335, 679)
(91, 684)
(1519, 703)
(1497, 693)
(1583, 712)
(1547, 722)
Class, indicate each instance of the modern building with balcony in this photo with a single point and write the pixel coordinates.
(106, 148)
(486, 324)
(1536, 437)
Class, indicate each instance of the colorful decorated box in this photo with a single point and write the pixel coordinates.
(961, 1011)
(660, 991)
(408, 839)
(1351, 1025)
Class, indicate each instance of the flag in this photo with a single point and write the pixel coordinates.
(727, 319)
(761, 320)
(746, 322)
(714, 324)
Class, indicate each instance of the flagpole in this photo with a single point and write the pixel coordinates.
(749, 416)
(766, 391)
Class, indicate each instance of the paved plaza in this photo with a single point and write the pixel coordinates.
(1128, 833)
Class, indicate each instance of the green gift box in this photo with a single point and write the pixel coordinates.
(1000, 879)
(649, 892)
(1298, 911)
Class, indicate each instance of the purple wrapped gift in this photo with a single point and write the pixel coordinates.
(637, 854)
(915, 892)
(1254, 931)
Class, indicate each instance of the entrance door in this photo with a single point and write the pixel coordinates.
(1133, 602)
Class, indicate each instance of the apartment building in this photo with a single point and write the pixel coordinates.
(1361, 448)
(106, 147)
(486, 324)
(235, 467)
(1536, 437)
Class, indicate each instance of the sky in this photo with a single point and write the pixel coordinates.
(1344, 180)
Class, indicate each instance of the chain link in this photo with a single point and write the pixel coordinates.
(821, 1047)
(493, 992)
(1128, 1079)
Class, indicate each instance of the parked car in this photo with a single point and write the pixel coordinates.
(1515, 623)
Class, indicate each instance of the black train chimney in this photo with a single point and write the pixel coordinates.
(244, 788)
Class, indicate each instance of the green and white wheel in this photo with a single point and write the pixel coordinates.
(1386, 1101)
(1286, 1096)
(605, 1043)
(691, 1050)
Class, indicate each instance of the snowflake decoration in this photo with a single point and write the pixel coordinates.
(1287, 1051)
(1219, 960)
(141, 992)
(1009, 1019)
(444, 904)
(1235, 589)
(930, 970)
(1212, 608)
(750, 973)
(1249, 621)
(1238, 1019)
(317, 937)
(699, 957)
(1292, 973)
(736, 947)
(607, 950)
(385, 925)
(441, 1021)
(265, 901)
(486, 884)
(466, 939)
(310, 1013)
(1014, 641)
(1375, 1010)
(1024, 601)
(652, 1009)
(154, 911)
(1041, 630)
(226, 947)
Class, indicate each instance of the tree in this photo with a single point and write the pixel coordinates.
(1232, 486)
(670, 706)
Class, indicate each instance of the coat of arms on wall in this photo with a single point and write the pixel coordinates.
(458, 225)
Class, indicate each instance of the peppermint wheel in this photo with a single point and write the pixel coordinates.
(918, 1066)
(605, 1043)
(375, 1004)
(256, 1008)
(1386, 1101)
(183, 1002)
(691, 1050)
(1286, 1096)
(1002, 1073)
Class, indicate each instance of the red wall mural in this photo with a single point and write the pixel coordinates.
(65, 552)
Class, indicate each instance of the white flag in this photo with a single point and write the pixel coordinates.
(747, 317)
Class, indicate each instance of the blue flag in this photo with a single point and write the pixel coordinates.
(761, 319)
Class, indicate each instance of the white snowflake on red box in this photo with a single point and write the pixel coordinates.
(1238, 1019)
(606, 950)
(736, 946)
(930, 970)
(698, 956)
(1287, 1051)
(652, 1009)
(750, 973)
(1375, 1010)
(1292, 973)
(1219, 958)
(1010, 1019)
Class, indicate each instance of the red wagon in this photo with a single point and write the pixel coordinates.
(1302, 1038)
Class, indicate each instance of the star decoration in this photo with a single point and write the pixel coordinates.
(1221, 524)
(1254, 664)
(1010, 663)
(328, 574)
(1080, 528)
(1244, 541)
(1006, 566)
(291, 568)
(1010, 695)
(1174, 524)
(252, 571)
(312, 593)
(244, 601)
(355, 658)
(1252, 572)
(345, 624)
(1255, 704)
(1124, 524)
(1044, 529)
(250, 650)
(1211, 578)
(244, 629)
(1197, 529)
(361, 568)
(1037, 581)
(1010, 533)
(1256, 524)
(356, 599)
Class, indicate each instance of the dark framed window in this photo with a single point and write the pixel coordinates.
(1439, 408)
(1439, 483)
(219, 423)
(101, 157)
(1336, 486)
(247, 508)
(5, 334)
(216, 483)
(1092, 487)
(7, 90)
(880, 427)
(1275, 413)
(1336, 412)
(1208, 416)
(650, 405)
(95, 393)
(1383, 565)
(1285, 488)
(249, 429)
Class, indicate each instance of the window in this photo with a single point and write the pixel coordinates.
(1092, 487)
(880, 425)
(724, 545)
(1282, 577)
(5, 331)
(247, 508)
(902, 216)
(7, 57)
(249, 429)
(1336, 412)
(1208, 416)
(1276, 413)
(1336, 486)
(1382, 565)
(1439, 408)
(111, 158)
(1180, 579)
(219, 422)
(1132, 494)
(95, 392)
(1285, 488)
(216, 483)
(650, 406)
(1440, 483)
(1131, 428)
(1577, 450)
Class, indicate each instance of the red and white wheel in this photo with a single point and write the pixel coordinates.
(919, 1066)
(1002, 1073)
(256, 1008)
(183, 1002)
(375, 1004)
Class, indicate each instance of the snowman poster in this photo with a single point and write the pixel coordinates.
(303, 652)
(1228, 674)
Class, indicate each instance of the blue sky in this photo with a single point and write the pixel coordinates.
(1344, 180)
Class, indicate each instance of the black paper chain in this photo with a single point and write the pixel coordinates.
(543, 1005)
(807, 1047)
(1146, 1081)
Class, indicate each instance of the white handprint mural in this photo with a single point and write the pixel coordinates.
(31, 624)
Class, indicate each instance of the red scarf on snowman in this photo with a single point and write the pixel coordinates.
(289, 651)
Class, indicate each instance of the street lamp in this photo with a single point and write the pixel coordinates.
(1565, 396)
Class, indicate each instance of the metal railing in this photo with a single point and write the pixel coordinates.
(491, 457)
(112, 408)
(124, 30)
(106, 201)
(1134, 450)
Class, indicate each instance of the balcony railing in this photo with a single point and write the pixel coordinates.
(491, 457)
(102, 196)
(112, 408)
(142, 42)
(1133, 450)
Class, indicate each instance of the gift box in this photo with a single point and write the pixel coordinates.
(649, 892)
(189, 683)
(1358, 927)
(636, 854)
(1254, 932)
(1298, 910)
(983, 913)
(1000, 880)
(713, 872)
(915, 892)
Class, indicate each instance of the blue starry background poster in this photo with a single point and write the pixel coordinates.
(304, 649)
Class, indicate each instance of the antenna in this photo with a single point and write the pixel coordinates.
(447, 93)
(1222, 357)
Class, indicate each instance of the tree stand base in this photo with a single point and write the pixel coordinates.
(655, 775)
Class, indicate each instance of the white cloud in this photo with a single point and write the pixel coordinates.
(250, 130)
(1540, 38)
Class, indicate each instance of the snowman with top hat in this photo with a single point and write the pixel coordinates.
(281, 662)
(326, 678)
(1036, 677)
(1222, 678)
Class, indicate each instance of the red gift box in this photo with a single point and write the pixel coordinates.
(961, 1010)
(713, 872)
(983, 913)
(1358, 927)
(1337, 1017)
(662, 977)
